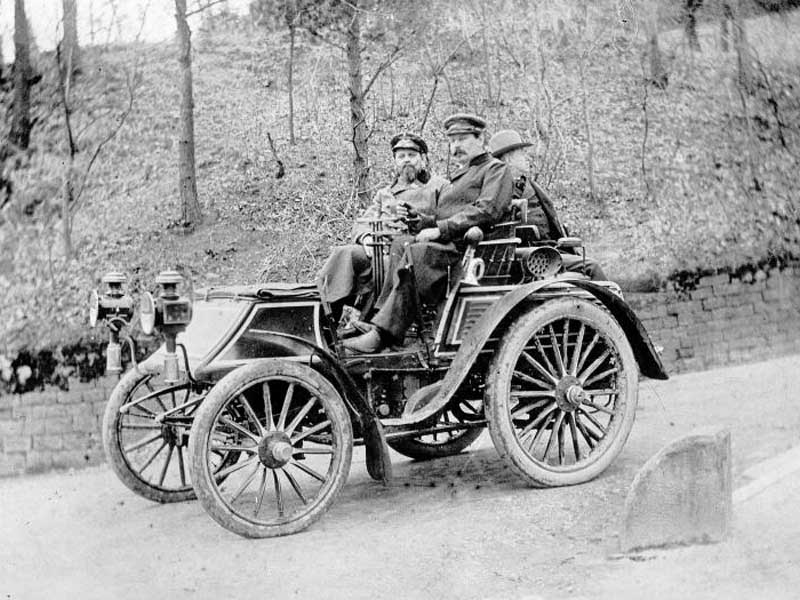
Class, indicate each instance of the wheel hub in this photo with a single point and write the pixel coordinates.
(174, 435)
(275, 449)
(570, 394)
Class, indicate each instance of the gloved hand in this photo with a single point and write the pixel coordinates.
(416, 221)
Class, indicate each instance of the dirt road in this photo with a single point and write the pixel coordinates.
(464, 527)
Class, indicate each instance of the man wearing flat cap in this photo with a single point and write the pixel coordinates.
(507, 145)
(479, 194)
(346, 277)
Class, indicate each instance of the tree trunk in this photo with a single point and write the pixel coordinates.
(744, 57)
(588, 129)
(690, 22)
(69, 43)
(20, 133)
(357, 116)
(66, 217)
(190, 206)
(658, 73)
(292, 32)
(725, 27)
(487, 63)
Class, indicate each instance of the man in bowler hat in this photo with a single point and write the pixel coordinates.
(507, 145)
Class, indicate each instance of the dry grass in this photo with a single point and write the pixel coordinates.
(694, 205)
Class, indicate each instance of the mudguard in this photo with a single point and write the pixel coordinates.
(379, 463)
(423, 404)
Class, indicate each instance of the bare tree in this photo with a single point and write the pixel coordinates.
(584, 55)
(725, 27)
(75, 176)
(20, 133)
(191, 216)
(744, 56)
(690, 8)
(358, 119)
(70, 50)
(291, 14)
(658, 73)
(437, 71)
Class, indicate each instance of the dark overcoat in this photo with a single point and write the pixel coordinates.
(478, 195)
(347, 274)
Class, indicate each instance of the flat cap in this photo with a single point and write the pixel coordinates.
(409, 141)
(506, 141)
(464, 123)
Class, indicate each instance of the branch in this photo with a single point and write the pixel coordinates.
(645, 179)
(281, 170)
(200, 9)
(322, 38)
(505, 46)
(63, 88)
(438, 71)
(112, 134)
(395, 54)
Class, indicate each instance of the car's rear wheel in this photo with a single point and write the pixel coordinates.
(449, 441)
(561, 392)
(295, 439)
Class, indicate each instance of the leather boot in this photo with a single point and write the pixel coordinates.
(366, 343)
(354, 328)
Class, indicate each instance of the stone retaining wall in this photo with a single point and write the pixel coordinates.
(722, 319)
(53, 429)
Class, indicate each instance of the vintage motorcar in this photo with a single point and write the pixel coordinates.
(254, 406)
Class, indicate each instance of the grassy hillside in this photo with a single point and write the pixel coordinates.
(693, 176)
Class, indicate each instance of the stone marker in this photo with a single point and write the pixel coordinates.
(682, 495)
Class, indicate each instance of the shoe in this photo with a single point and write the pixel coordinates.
(353, 328)
(366, 343)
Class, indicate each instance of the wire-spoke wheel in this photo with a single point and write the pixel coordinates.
(145, 434)
(293, 432)
(561, 392)
(448, 441)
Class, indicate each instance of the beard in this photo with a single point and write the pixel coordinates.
(407, 173)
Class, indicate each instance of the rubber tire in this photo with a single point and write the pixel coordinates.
(419, 450)
(498, 383)
(120, 396)
(231, 385)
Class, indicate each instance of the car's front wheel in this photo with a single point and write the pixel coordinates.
(294, 437)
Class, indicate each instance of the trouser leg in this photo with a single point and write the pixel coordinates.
(346, 275)
(419, 272)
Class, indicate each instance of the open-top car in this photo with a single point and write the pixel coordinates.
(253, 404)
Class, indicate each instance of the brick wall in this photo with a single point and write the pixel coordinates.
(53, 429)
(724, 319)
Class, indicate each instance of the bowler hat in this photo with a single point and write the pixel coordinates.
(464, 123)
(409, 141)
(506, 141)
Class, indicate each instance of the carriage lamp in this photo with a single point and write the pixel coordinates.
(115, 307)
(170, 313)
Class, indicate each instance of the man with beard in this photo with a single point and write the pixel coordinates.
(346, 277)
(479, 194)
(507, 145)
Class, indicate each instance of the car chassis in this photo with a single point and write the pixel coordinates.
(254, 407)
